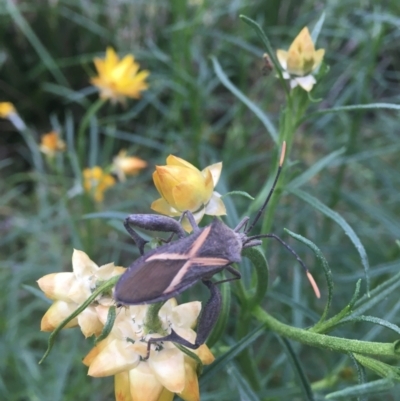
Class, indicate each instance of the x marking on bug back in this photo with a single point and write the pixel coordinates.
(191, 259)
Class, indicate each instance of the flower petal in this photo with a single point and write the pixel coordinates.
(185, 315)
(168, 367)
(306, 82)
(215, 170)
(177, 161)
(90, 323)
(82, 265)
(166, 395)
(215, 207)
(161, 206)
(144, 385)
(282, 56)
(191, 390)
(57, 285)
(116, 357)
(57, 312)
(122, 386)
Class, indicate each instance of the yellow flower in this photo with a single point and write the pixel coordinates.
(167, 371)
(70, 289)
(127, 165)
(51, 143)
(183, 187)
(117, 78)
(7, 110)
(301, 60)
(96, 181)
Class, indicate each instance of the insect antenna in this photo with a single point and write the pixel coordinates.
(260, 212)
(294, 253)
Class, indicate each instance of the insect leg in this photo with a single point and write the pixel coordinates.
(152, 222)
(236, 275)
(207, 320)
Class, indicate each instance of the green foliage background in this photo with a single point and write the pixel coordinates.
(46, 52)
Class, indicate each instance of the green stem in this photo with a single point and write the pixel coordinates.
(331, 343)
(152, 321)
(93, 109)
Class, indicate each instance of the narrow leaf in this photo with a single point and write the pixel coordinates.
(220, 326)
(374, 320)
(257, 258)
(315, 169)
(235, 350)
(112, 314)
(317, 28)
(252, 106)
(375, 387)
(241, 193)
(380, 368)
(325, 266)
(298, 369)
(317, 204)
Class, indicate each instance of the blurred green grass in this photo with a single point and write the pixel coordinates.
(46, 52)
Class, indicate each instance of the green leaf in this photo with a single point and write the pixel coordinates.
(241, 193)
(317, 204)
(375, 387)
(112, 314)
(377, 295)
(331, 323)
(252, 106)
(374, 320)
(267, 44)
(354, 107)
(257, 258)
(317, 28)
(220, 326)
(315, 169)
(298, 369)
(380, 368)
(325, 266)
(42, 52)
(235, 350)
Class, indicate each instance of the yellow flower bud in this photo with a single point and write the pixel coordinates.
(183, 187)
(301, 60)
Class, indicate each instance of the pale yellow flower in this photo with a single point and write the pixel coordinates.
(127, 165)
(117, 78)
(51, 143)
(301, 60)
(96, 182)
(183, 187)
(7, 110)
(70, 289)
(167, 371)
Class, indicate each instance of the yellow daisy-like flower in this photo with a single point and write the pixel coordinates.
(7, 110)
(96, 182)
(117, 78)
(70, 289)
(301, 60)
(127, 165)
(183, 187)
(166, 372)
(51, 143)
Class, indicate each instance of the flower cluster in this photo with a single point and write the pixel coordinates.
(122, 353)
